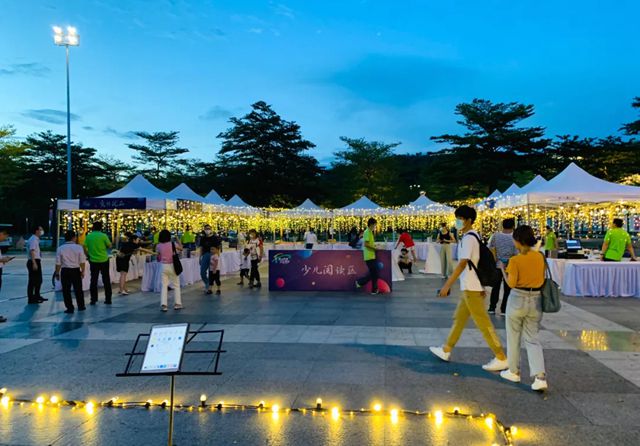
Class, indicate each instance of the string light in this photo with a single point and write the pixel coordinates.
(394, 413)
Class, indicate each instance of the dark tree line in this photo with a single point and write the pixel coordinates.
(266, 160)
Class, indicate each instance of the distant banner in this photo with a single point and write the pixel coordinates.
(323, 270)
(188, 205)
(113, 203)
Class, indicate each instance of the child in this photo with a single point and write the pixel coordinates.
(214, 269)
(256, 251)
(404, 261)
(245, 265)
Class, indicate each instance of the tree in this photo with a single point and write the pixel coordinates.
(494, 148)
(263, 159)
(10, 154)
(633, 128)
(159, 152)
(366, 168)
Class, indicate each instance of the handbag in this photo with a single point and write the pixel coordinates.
(177, 264)
(550, 291)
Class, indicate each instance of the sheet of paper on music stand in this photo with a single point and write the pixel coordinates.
(165, 348)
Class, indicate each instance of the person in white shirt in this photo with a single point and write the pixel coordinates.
(255, 254)
(471, 302)
(310, 239)
(245, 265)
(3, 236)
(34, 267)
(70, 264)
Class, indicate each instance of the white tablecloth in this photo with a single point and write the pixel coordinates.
(420, 247)
(432, 262)
(136, 270)
(152, 279)
(597, 279)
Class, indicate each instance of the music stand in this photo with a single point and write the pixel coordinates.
(191, 334)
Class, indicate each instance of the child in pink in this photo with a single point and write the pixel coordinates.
(214, 269)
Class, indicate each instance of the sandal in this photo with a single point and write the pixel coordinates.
(163, 308)
(178, 307)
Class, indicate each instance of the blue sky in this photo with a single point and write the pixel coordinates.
(385, 70)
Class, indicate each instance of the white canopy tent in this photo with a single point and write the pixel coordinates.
(184, 192)
(238, 202)
(138, 187)
(362, 206)
(307, 208)
(423, 204)
(575, 185)
(531, 185)
(213, 198)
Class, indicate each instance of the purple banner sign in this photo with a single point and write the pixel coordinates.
(113, 203)
(324, 270)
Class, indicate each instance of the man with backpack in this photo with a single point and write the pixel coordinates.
(476, 269)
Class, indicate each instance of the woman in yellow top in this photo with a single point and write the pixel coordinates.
(525, 276)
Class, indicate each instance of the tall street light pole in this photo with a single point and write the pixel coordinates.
(67, 38)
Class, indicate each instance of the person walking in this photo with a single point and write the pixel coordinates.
(70, 265)
(96, 246)
(207, 241)
(503, 248)
(446, 239)
(369, 254)
(4, 233)
(34, 267)
(256, 252)
(165, 249)
(471, 302)
(245, 265)
(616, 241)
(310, 239)
(525, 275)
(214, 270)
(550, 242)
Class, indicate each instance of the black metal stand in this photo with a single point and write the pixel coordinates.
(192, 334)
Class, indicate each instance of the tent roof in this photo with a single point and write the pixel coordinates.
(184, 192)
(512, 190)
(307, 205)
(422, 201)
(495, 194)
(531, 185)
(213, 198)
(138, 187)
(574, 184)
(237, 202)
(363, 203)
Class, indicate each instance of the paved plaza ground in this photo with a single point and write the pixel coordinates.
(350, 349)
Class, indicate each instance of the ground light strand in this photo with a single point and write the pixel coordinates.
(489, 419)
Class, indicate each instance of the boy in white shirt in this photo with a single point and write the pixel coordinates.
(245, 265)
(310, 239)
(471, 302)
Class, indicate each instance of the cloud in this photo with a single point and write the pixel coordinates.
(284, 11)
(403, 80)
(216, 112)
(119, 134)
(49, 116)
(256, 30)
(29, 69)
(87, 127)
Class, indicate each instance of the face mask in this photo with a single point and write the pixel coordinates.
(459, 224)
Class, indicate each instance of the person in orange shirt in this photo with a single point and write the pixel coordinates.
(525, 276)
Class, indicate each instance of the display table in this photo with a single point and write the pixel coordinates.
(152, 277)
(136, 270)
(432, 259)
(595, 278)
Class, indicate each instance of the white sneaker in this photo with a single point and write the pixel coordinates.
(506, 374)
(495, 365)
(440, 353)
(539, 384)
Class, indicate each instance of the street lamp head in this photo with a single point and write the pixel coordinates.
(70, 38)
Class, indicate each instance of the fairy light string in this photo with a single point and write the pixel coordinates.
(335, 412)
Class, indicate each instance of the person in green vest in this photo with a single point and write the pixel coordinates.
(156, 236)
(550, 241)
(96, 246)
(188, 239)
(369, 253)
(616, 241)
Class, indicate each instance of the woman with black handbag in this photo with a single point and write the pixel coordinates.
(167, 256)
(525, 275)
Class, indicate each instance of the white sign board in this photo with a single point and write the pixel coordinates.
(165, 348)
